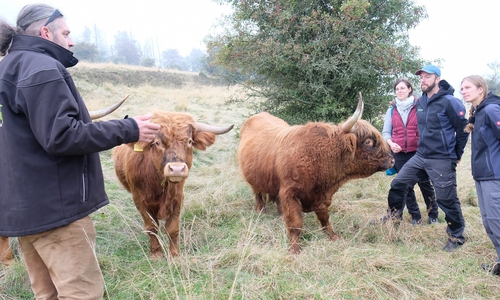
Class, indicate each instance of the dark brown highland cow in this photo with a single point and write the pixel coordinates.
(303, 166)
(155, 173)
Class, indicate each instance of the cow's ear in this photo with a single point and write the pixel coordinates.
(203, 139)
(349, 144)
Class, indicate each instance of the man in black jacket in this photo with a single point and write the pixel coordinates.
(50, 173)
(441, 122)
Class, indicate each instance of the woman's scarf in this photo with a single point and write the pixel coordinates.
(404, 106)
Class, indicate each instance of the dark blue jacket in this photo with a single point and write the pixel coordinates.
(50, 171)
(485, 139)
(441, 123)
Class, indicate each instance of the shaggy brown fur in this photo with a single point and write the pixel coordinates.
(155, 176)
(304, 165)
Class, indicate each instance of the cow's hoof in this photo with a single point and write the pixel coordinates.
(335, 238)
(156, 255)
(294, 250)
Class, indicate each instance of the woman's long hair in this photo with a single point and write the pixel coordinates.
(479, 82)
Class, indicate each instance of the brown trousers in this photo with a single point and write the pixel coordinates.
(5, 251)
(61, 262)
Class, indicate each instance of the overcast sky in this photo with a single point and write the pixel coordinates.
(463, 33)
(177, 24)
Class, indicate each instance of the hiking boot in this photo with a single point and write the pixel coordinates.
(452, 246)
(495, 270)
(432, 221)
(416, 222)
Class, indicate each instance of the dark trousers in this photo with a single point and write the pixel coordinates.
(488, 196)
(426, 189)
(442, 173)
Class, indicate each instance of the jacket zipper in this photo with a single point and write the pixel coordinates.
(83, 186)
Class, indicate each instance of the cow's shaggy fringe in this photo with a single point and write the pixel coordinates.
(228, 251)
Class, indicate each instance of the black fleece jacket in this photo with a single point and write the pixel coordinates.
(441, 123)
(50, 171)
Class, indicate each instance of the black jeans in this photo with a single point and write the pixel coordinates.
(442, 173)
(426, 189)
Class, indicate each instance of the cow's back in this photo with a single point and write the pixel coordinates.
(257, 151)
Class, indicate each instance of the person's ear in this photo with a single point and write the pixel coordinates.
(45, 33)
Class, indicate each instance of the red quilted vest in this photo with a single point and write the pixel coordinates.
(405, 136)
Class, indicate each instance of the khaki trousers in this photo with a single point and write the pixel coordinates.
(61, 262)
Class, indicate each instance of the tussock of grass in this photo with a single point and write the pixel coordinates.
(229, 251)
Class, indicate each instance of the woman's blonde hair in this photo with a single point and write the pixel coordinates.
(479, 82)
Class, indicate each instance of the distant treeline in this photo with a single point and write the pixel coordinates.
(93, 47)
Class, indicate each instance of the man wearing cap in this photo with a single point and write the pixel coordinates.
(441, 123)
(50, 172)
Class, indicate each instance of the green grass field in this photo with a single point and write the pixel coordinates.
(228, 251)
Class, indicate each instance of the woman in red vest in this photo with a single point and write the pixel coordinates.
(401, 134)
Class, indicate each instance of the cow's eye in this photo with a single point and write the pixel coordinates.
(369, 143)
(155, 143)
(190, 142)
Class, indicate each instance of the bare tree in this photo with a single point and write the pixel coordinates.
(127, 49)
(171, 59)
(494, 79)
(194, 60)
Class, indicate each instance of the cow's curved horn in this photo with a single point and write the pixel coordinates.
(213, 129)
(347, 126)
(96, 114)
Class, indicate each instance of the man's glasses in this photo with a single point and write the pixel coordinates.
(56, 14)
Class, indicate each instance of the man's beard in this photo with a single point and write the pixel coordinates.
(429, 88)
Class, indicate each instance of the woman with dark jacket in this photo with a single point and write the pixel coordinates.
(484, 126)
(401, 134)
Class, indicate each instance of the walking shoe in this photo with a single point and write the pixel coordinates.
(495, 270)
(432, 221)
(452, 246)
(416, 222)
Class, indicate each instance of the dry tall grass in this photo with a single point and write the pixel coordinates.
(228, 251)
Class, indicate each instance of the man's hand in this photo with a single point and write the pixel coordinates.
(147, 130)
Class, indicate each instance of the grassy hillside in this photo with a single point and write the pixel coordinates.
(228, 251)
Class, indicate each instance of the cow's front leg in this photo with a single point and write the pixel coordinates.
(151, 226)
(292, 214)
(324, 219)
(172, 228)
(5, 251)
(154, 244)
